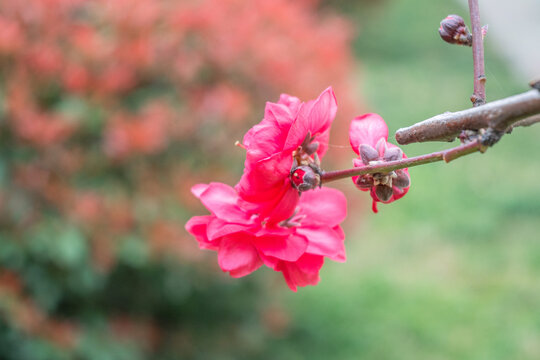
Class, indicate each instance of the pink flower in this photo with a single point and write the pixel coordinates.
(296, 246)
(287, 126)
(368, 136)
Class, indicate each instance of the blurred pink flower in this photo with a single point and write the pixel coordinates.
(270, 146)
(368, 136)
(296, 246)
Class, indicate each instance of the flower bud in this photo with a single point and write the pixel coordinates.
(401, 179)
(305, 177)
(364, 182)
(454, 31)
(368, 154)
(384, 192)
(392, 154)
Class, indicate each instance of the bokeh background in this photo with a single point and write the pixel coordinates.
(111, 110)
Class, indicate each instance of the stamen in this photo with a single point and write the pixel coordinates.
(240, 145)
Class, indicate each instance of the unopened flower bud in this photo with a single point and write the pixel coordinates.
(401, 179)
(305, 177)
(312, 148)
(368, 154)
(384, 192)
(454, 31)
(364, 182)
(392, 154)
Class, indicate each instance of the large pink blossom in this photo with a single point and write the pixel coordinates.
(368, 136)
(270, 146)
(296, 246)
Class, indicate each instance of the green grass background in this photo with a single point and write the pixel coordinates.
(451, 271)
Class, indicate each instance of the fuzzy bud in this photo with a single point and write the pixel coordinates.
(305, 177)
(454, 31)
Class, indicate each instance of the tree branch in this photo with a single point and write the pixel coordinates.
(479, 96)
(498, 115)
(386, 167)
(526, 122)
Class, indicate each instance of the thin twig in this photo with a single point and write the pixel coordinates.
(526, 122)
(499, 115)
(446, 155)
(479, 96)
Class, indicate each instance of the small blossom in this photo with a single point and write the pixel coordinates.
(368, 136)
(296, 246)
(454, 31)
(291, 134)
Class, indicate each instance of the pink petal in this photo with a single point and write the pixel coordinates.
(275, 230)
(238, 256)
(367, 129)
(221, 200)
(399, 193)
(325, 206)
(263, 180)
(303, 272)
(276, 203)
(292, 102)
(218, 228)
(323, 241)
(197, 226)
(198, 189)
(357, 163)
(264, 140)
(279, 115)
(268, 137)
(315, 116)
(374, 206)
(310, 264)
(288, 248)
(284, 207)
(340, 257)
(270, 261)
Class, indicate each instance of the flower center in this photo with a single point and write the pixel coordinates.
(294, 221)
(305, 172)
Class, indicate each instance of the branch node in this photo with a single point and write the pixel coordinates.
(535, 84)
(478, 100)
(490, 137)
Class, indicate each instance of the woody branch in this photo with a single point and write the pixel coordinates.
(479, 96)
(489, 121)
(501, 115)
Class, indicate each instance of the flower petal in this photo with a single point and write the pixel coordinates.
(270, 261)
(263, 180)
(367, 129)
(280, 115)
(340, 257)
(221, 200)
(324, 206)
(292, 102)
(238, 256)
(264, 140)
(323, 241)
(197, 226)
(303, 272)
(314, 117)
(288, 248)
(218, 228)
(198, 189)
(284, 207)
